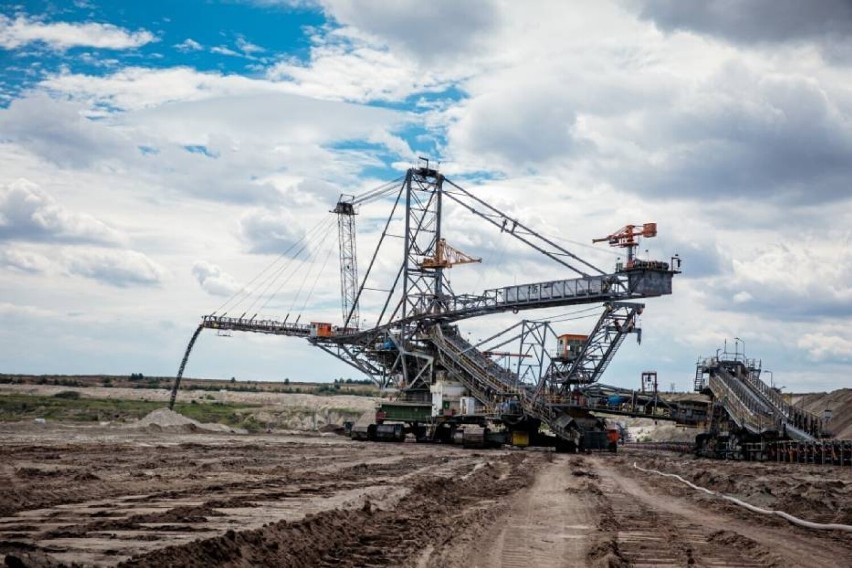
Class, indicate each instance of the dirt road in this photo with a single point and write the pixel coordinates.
(599, 510)
(104, 497)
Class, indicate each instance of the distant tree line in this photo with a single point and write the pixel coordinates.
(341, 381)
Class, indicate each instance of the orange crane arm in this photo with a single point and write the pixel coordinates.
(626, 236)
(447, 257)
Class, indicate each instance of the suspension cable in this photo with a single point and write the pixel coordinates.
(377, 192)
(307, 275)
(322, 228)
(246, 289)
(319, 275)
(570, 315)
(376, 253)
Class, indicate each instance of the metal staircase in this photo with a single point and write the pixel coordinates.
(489, 382)
(752, 404)
(741, 403)
(486, 380)
(799, 424)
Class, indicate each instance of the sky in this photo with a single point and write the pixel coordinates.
(157, 156)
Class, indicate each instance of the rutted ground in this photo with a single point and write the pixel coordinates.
(105, 497)
(598, 510)
(201, 499)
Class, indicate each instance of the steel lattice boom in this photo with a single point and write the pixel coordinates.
(415, 342)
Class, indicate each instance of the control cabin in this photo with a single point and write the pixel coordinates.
(569, 346)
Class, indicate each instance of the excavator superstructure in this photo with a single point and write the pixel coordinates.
(448, 387)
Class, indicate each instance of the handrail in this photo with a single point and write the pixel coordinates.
(742, 408)
(798, 420)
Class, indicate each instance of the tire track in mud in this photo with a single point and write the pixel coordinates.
(546, 525)
(641, 534)
(646, 538)
(37, 478)
(105, 531)
(434, 512)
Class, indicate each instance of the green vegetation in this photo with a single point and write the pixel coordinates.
(231, 414)
(354, 381)
(355, 387)
(70, 395)
(15, 407)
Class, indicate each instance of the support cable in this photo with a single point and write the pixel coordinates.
(375, 255)
(599, 249)
(245, 290)
(520, 235)
(569, 316)
(495, 336)
(316, 280)
(280, 277)
(305, 278)
(377, 192)
(500, 248)
(322, 228)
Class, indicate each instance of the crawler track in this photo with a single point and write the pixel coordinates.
(649, 536)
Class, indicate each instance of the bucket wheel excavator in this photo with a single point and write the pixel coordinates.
(447, 387)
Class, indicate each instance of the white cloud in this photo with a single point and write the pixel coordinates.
(743, 130)
(349, 68)
(286, 3)
(822, 346)
(122, 269)
(8, 311)
(248, 47)
(213, 280)
(827, 23)
(431, 31)
(742, 297)
(133, 88)
(249, 130)
(223, 50)
(189, 44)
(271, 232)
(498, 128)
(58, 131)
(24, 261)
(62, 35)
(805, 279)
(28, 213)
(582, 121)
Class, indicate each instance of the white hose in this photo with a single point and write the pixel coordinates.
(782, 514)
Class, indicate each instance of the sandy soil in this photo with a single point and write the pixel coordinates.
(313, 401)
(840, 404)
(280, 411)
(142, 497)
(650, 430)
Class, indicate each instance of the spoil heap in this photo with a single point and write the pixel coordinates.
(165, 419)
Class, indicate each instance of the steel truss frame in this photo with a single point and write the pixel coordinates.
(617, 321)
(345, 210)
(400, 348)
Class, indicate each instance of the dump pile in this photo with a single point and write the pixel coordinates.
(164, 419)
(839, 402)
